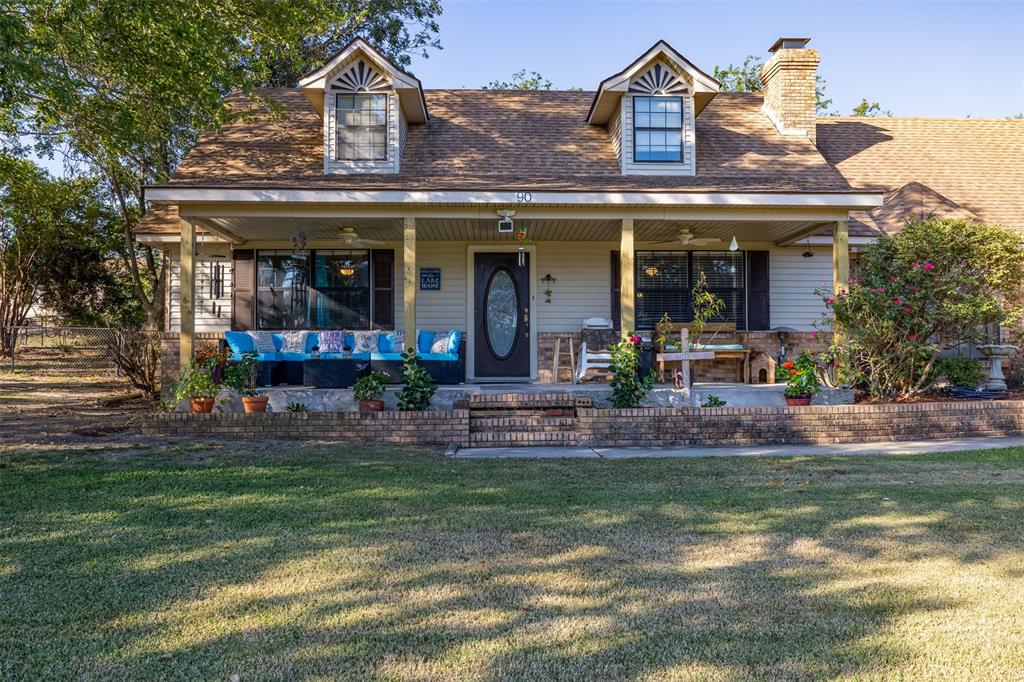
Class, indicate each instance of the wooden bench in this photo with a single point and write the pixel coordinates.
(722, 338)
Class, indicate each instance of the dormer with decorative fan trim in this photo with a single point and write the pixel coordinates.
(366, 104)
(649, 109)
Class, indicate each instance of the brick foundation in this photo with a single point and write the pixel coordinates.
(398, 428)
(647, 427)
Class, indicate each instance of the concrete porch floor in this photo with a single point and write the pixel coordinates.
(734, 395)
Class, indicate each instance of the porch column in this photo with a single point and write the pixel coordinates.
(187, 281)
(840, 256)
(409, 288)
(627, 287)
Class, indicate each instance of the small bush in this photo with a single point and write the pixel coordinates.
(628, 386)
(713, 401)
(136, 353)
(961, 372)
(296, 407)
(419, 386)
(370, 387)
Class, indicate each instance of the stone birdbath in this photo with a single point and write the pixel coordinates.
(996, 353)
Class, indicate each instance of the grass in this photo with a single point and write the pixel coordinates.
(203, 562)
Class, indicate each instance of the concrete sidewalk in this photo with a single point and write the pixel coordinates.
(910, 447)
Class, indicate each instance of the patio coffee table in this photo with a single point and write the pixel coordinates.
(332, 372)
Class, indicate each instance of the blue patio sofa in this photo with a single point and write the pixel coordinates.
(286, 367)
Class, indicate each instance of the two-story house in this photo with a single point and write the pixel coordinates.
(365, 201)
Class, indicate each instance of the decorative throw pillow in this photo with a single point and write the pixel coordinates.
(294, 341)
(332, 341)
(399, 340)
(441, 340)
(366, 342)
(264, 342)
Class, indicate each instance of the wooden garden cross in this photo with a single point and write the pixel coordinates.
(685, 355)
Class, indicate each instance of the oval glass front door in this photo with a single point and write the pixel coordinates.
(501, 308)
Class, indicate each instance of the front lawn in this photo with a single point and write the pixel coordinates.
(203, 562)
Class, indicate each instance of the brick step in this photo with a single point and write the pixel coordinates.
(522, 422)
(558, 412)
(514, 401)
(497, 439)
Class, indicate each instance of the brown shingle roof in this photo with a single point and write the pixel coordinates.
(955, 167)
(487, 139)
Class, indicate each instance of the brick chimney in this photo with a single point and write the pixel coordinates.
(789, 79)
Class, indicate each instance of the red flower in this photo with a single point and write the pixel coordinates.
(787, 364)
(634, 339)
(912, 337)
(907, 309)
(792, 372)
(928, 266)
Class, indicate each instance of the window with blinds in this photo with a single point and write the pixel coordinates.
(662, 286)
(665, 279)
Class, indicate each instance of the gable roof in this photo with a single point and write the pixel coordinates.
(954, 167)
(705, 87)
(507, 140)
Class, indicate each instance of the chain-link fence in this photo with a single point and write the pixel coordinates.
(58, 350)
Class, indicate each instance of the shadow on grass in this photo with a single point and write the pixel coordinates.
(385, 565)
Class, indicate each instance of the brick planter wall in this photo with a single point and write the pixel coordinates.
(170, 363)
(399, 428)
(647, 427)
(811, 425)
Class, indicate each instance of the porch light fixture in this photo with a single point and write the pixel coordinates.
(299, 240)
(346, 270)
(734, 245)
(651, 271)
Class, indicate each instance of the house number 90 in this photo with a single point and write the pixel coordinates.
(524, 197)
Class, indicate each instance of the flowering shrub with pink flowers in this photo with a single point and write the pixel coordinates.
(629, 386)
(934, 284)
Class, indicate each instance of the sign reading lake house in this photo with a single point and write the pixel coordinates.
(430, 279)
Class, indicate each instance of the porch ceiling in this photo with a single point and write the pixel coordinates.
(246, 229)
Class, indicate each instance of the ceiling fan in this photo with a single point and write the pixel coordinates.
(685, 238)
(351, 238)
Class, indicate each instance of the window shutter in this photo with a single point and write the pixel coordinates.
(383, 263)
(616, 289)
(243, 281)
(758, 291)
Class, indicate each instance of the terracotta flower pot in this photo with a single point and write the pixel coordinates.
(799, 401)
(255, 403)
(371, 405)
(201, 405)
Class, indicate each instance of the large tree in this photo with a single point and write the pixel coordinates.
(125, 87)
(525, 80)
(41, 220)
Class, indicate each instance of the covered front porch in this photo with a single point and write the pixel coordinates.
(274, 265)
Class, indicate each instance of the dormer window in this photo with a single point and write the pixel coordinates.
(658, 129)
(362, 127)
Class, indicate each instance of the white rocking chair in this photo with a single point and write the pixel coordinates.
(595, 362)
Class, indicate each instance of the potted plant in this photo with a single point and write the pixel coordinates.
(198, 386)
(801, 379)
(369, 391)
(241, 376)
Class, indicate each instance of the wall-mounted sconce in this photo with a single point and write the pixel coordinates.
(548, 279)
(651, 271)
(807, 254)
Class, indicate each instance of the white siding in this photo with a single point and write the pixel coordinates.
(615, 132)
(582, 288)
(390, 165)
(212, 315)
(630, 167)
(793, 279)
(445, 309)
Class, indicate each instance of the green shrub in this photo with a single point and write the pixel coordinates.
(935, 283)
(628, 387)
(370, 387)
(196, 382)
(713, 401)
(418, 386)
(800, 375)
(296, 407)
(961, 372)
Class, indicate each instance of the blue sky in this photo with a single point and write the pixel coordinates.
(915, 59)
